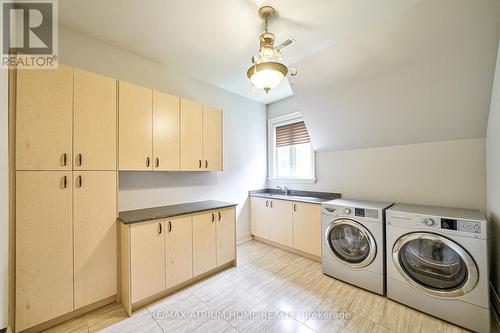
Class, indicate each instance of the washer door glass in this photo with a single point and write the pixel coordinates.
(351, 242)
(436, 264)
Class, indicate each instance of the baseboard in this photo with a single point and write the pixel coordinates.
(289, 249)
(243, 238)
(495, 309)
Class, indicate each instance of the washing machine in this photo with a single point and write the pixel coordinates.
(437, 262)
(353, 242)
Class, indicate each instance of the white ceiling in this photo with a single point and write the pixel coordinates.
(214, 41)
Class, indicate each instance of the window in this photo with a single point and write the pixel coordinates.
(291, 155)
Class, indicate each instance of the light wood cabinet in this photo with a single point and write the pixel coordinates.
(166, 116)
(259, 217)
(94, 235)
(135, 127)
(204, 243)
(44, 117)
(226, 235)
(307, 228)
(44, 246)
(191, 136)
(95, 126)
(191, 244)
(296, 225)
(179, 250)
(281, 222)
(212, 139)
(147, 259)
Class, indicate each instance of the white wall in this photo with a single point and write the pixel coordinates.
(493, 177)
(244, 131)
(4, 194)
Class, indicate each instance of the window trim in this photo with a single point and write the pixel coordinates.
(271, 150)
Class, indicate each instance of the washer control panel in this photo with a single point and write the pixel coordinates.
(360, 212)
(469, 226)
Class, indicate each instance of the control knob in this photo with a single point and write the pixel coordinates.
(347, 211)
(429, 222)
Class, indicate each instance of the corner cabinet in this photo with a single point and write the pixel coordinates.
(162, 256)
(293, 225)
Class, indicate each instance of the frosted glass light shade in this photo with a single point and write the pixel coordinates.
(267, 75)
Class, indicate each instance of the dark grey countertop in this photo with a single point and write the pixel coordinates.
(295, 195)
(156, 213)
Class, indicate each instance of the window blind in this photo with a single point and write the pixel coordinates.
(291, 134)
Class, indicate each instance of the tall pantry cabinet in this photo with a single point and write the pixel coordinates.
(66, 192)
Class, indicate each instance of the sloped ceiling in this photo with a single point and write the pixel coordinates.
(424, 75)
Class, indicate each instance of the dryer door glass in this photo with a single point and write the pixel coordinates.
(351, 243)
(437, 264)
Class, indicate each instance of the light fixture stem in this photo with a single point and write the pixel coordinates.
(265, 24)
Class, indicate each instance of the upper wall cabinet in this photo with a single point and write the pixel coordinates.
(44, 113)
(94, 145)
(201, 137)
(166, 118)
(135, 127)
(191, 136)
(161, 132)
(212, 138)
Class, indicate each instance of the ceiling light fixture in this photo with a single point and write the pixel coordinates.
(267, 72)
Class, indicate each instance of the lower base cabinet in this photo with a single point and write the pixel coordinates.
(44, 246)
(162, 254)
(65, 238)
(147, 259)
(179, 250)
(296, 225)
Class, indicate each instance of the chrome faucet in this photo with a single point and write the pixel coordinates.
(283, 189)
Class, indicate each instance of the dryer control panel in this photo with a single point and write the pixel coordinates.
(452, 224)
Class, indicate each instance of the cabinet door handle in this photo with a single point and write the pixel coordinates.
(206, 164)
(147, 161)
(199, 164)
(64, 159)
(79, 159)
(157, 162)
(271, 204)
(79, 181)
(169, 226)
(64, 181)
(159, 229)
(294, 207)
(213, 217)
(219, 216)
(267, 203)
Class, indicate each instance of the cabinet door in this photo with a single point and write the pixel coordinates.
(226, 236)
(44, 113)
(179, 250)
(281, 222)
(212, 139)
(95, 125)
(191, 135)
(94, 216)
(166, 152)
(307, 228)
(259, 217)
(204, 246)
(44, 246)
(135, 107)
(147, 259)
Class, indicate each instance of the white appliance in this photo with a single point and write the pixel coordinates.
(353, 242)
(437, 263)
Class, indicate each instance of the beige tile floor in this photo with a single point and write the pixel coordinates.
(271, 290)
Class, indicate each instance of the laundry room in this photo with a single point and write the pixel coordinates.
(250, 166)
